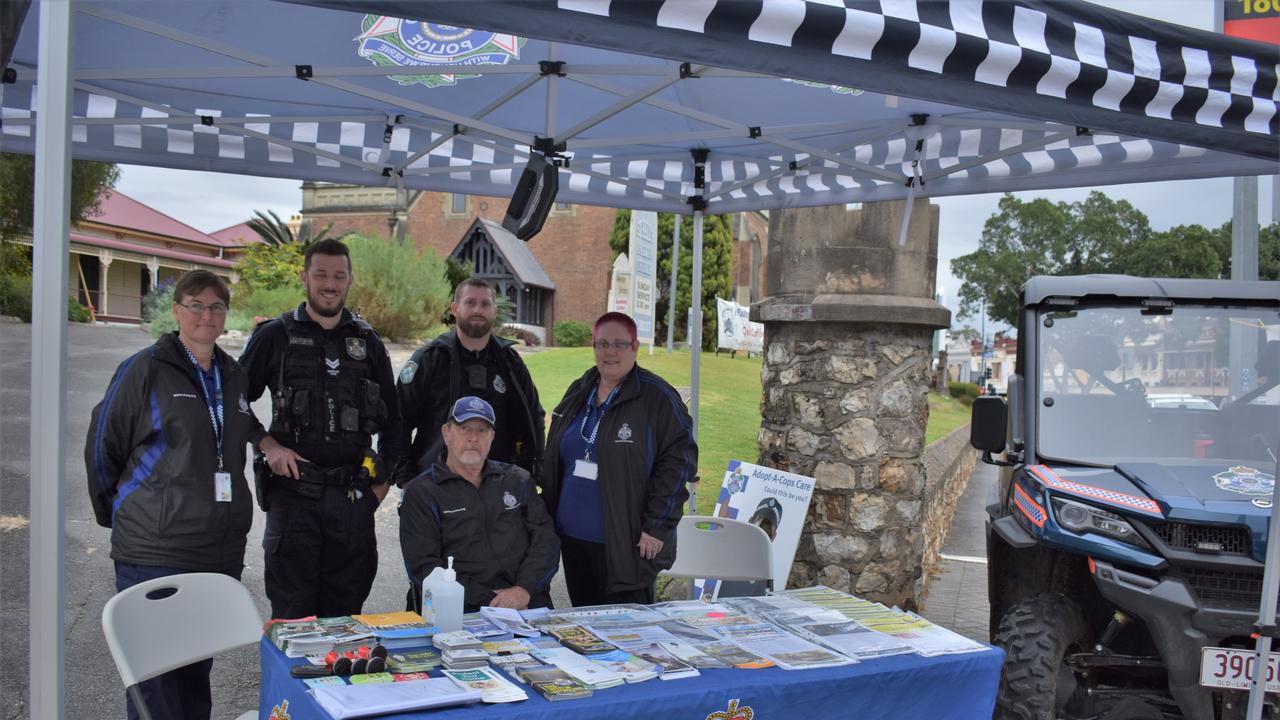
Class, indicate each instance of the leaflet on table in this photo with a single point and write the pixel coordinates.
(829, 628)
(509, 620)
(357, 701)
(579, 668)
(406, 661)
(786, 650)
(692, 655)
(926, 638)
(631, 668)
(492, 686)
(600, 615)
(298, 638)
(669, 666)
(395, 625)
(631, 636)
(578, 638)
(479, 626)
(554, 684)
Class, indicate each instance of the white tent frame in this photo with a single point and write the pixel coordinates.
(54, 124)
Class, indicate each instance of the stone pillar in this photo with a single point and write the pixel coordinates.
(104, 273)
(849, 317)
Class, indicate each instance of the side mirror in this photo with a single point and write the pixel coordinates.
(988, 429)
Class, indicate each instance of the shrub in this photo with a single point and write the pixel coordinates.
(519, 333)
(15, 295)
(572, 333)
(265, 302)
(157, 310)
(77, 312)
(398, 290)
(964, 392)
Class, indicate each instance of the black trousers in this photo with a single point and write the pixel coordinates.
(586, 574)
(321, 554)
(181, 694)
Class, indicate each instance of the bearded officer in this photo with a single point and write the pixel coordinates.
(469, 361)
(332, 390)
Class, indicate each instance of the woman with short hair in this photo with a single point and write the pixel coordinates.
(165, 459)
(617, 459)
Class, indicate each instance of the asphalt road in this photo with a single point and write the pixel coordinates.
(92, 686)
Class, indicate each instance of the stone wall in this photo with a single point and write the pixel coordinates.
(847, 404)
(948, 464)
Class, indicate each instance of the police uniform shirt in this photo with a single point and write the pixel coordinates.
(483, 375)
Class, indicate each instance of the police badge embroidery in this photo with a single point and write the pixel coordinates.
(407, 372)
(624, 433)
(509, 500)
(1245, 480)
(499, 385)
(356, 348)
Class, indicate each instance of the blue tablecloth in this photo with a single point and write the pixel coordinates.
(903, 687)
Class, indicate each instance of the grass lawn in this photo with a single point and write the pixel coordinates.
(730, 403)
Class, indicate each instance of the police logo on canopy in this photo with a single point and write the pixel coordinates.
(395, 43)
(356, 348)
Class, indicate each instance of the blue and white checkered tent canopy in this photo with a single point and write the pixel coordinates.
(797, 103)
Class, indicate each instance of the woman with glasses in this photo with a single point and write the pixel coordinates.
(165, 459)
(617, 458)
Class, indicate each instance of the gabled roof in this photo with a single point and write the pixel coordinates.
(122, 211)
(236, 235)
(514, 251)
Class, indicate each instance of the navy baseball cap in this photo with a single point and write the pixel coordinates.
(473, 407)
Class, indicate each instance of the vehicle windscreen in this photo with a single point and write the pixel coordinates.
(1190, 382)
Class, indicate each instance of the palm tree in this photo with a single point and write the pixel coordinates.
(275, 231)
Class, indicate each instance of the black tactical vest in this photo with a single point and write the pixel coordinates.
(325, 392)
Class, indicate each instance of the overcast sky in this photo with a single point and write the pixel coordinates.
(212, 201)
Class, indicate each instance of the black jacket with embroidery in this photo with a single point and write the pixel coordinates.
(430, 383)
(150, 458)
(498, 534)
(646, 455)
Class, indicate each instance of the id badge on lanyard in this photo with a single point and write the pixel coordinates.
(586, 469)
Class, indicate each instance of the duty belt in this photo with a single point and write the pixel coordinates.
(315, 479)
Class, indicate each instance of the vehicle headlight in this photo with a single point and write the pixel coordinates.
(1082, 518)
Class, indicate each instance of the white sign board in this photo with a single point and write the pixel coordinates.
(774, 500)
(620, 286)
(643, 251)
(734, 328)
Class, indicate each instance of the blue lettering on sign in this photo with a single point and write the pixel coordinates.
(442, 42)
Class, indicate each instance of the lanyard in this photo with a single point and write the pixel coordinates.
(214, 403)
(582, 431)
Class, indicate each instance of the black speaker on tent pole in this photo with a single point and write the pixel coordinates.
(534, 196)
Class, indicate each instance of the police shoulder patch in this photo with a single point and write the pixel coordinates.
(407, 372)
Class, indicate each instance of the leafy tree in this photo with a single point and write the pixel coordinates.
(1268, 250)
(268, 267)
(275, 231)
(1096, 235)
(717, 270)
(17, 195)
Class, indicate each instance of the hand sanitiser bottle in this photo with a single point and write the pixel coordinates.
(442, 599)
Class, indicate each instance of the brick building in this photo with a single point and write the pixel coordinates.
(572, 250)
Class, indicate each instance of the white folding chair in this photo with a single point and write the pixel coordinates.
(206, 615)
(716, 548)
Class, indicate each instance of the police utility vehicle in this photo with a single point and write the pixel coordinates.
(1126, 549)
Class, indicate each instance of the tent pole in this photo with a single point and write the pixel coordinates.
(675, 281)
(1267, 608)
(695, 341)
(49, 358)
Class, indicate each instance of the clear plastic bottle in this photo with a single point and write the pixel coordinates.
(442, 599)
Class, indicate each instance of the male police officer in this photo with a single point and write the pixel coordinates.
(469, 360)
(331, 389)
(486, 515)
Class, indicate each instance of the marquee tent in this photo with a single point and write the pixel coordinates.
(685, 105)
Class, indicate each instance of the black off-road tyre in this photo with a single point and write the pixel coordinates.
(1036, 635)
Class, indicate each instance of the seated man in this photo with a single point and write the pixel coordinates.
(486, 514)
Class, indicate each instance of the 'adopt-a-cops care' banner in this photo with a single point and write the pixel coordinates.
(774, 500)
(643, 251)
(734, 328)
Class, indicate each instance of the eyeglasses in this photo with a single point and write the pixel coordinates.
(618, 345)
(199, 308)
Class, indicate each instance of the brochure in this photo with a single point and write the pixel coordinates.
(493, 687)
(357, 701)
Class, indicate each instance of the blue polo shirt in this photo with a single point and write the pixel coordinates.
(579, 514)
